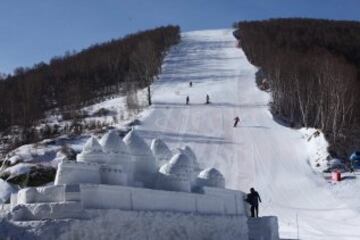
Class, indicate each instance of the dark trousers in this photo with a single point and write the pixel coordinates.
(254, 211)
(235, 124)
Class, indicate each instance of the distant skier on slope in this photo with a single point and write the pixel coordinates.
(190, 83)
(207, 99)
(187, 100)
(237, 120)
(253, 198)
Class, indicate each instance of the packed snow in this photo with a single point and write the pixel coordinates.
(278, 161)
(135, 225)
(281, 163)
(5, 191)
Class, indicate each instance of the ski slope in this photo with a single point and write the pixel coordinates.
(258, 153)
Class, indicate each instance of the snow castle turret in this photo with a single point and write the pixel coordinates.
(177, 174)
(86, 167)
(145, 164)
(161, 151)
(191, 155)
(92, 152)
(118, 154)
(211, 177)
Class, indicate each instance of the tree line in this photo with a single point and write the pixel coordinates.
(312, 68)
(76, 79)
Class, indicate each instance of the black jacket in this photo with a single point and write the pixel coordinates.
(253, 198)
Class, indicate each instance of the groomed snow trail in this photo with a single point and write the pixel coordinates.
(258, 153)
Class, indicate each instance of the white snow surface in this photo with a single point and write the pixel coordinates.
(5, 191)
(278, 161)
(134, 225)
(161, 151)
(112, 143)
(260, 152)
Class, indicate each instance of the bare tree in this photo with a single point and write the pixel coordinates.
(144, 63)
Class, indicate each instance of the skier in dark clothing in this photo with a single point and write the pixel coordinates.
(187, 100)
(207, 99)
(190, 84)
(253, 198)
(237, 120)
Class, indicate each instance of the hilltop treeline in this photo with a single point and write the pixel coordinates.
(312, 67)
(73, 80)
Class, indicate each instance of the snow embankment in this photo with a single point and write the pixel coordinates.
(316, 146)
(135, 225)
(5, 191)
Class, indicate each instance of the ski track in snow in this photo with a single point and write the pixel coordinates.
(258, 153)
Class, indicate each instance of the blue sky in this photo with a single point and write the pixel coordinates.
(36, 30)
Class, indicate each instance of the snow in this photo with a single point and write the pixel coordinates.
(161, 151)
(177, 174)
(136, 225)
(136, 144)
(112, 143)
(5, 191)
(45, 152)
(92, 152)
(277, 161)
(18, 169)
(145, 163)
(211, 177)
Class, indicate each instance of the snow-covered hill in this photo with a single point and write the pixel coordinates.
(260, 152)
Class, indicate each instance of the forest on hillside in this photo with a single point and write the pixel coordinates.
(313, 70)
(69, 82)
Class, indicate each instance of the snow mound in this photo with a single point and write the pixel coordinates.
(92, 152)
(145, 164)
(135, 225)
(179, 165)
(161, 151)
(136, 144)
(191, 155)
(177, 174)
(5, 191)
(112, 143)
(18, 169)
(316, 148)
(211, 177)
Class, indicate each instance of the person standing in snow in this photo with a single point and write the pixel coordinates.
(237, 120)
(187, 100)
(190, 83)
(253, 198)
(207, 99)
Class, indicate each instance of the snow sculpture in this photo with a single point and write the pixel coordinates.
(211, 177)
(118, 154)
(161, 151)
(93, 165)
(177, 174)
(190, 154)
(71, 172)
(145, 165)
(92, 152)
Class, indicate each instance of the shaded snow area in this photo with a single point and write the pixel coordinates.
(131, 225)
(5, 190)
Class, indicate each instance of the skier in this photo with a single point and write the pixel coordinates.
(190, 83)
(187, 100)
(207, 99)
(253, 198)
(236, 119)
